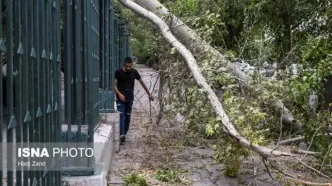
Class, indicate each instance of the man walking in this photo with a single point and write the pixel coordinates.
(124, 88)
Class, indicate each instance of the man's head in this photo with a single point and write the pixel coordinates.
(128, 64)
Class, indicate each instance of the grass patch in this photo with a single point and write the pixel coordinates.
(167, 175)
(135, 180)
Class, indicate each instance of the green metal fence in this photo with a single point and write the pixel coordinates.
(30, 82)
(119, 50)
(88, 41)
(86, 71)
(109, 58)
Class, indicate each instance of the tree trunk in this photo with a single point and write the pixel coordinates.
(287, 8)
(161, 97)
(200, 80)
(326, 100)
(190, 39)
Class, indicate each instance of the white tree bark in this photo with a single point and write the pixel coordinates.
(200, 80)
(190, 39)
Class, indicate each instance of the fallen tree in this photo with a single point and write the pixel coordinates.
(201, 81)
(190, 39)
(228, 127)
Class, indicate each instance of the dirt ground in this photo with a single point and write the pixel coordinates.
(149, 149)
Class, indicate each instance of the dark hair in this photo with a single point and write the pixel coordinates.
(128, 60)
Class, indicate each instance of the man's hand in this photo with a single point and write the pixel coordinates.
(146, 90)
(122, 97)
(151, 97)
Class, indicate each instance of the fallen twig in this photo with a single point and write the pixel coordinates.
(313, 169)
(308, 182)
(268, 170)
(306, 152)
(293, 178)
(291, 140)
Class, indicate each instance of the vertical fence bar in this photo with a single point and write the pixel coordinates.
(117, 42)
(107, 46)
(111, 33)
(107, 58)
(124, 39)
(2, 50)
(52, 89)
(73, 71)
(116, 52)
(43, 125)
(18, 81)
(48, 102)
(68, 59)
(98, 75)
(69, 56)
(113, 56)
(110, 56)
(26, 82)
(95, 61)
(34, 22)
(120, 42)
(46, 90)
(86, 58)
(58, 105)
(9, 83)
(96, 72)
(90, 20)
(41, 68)
(102, 44)
(91, 60)
(78, 67)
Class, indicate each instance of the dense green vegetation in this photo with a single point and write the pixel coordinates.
(262, 33)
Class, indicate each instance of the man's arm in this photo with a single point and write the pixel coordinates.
(121, 96)
(146, 89)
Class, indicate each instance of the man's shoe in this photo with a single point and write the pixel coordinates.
(122, 139)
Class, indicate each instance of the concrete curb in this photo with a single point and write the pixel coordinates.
(106, 133)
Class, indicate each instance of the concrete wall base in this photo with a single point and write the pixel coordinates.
(107, 141)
